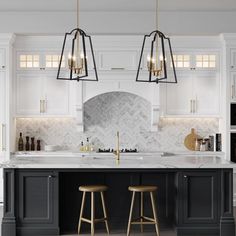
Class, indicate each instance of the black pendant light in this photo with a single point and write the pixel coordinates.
(159, 53)
(78, 50)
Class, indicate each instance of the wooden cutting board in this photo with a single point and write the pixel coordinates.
(190, 139)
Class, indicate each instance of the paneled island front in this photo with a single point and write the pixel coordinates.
(41, 195)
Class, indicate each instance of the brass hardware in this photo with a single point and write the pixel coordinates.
(194, 106)
(233, 92)
(44, 106)
(117, 151)
(185, 176)
(50, 176)
(76, 64)
(232, 67)
(3, 67)
(41, 106)
(152, 65)
(191, 106)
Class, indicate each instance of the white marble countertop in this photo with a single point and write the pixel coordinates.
(107, 161)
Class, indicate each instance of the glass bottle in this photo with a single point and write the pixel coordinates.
(38, 145)
(21, 143)
(32, 145)
(27, 145)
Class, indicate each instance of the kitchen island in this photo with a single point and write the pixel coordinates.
(41, 194)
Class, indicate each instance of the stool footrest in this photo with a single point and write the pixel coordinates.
(95, 220)
(139, 221)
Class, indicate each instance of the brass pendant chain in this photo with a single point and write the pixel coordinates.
(157, 59)
(78, 53)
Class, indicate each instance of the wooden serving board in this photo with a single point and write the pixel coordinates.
(190, 139)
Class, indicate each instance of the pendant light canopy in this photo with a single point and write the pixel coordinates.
(77, 52)
(159, 58)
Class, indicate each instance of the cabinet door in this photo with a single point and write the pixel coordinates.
(29, 94)
(233, 59)
(37, 198)
(179, 97)
(2, 59)
(206, 95)
(233, 86)
(57, 96)
(118, 60)
(2, 113)
(200, 197)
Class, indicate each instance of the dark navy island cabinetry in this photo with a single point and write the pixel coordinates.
(47, 201)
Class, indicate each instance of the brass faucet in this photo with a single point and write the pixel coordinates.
(117, 151)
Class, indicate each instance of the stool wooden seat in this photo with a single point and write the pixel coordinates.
(92, 189)
(142, 189)
(143, 220)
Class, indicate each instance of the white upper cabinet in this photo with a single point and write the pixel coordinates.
(56, 97)
(3, 95)
(197, 92)
(39, 61)
(2, 59)
(40, 95)
(29, 95)
(118, 60)
(233, 86)
(233, 59)
(179, 97)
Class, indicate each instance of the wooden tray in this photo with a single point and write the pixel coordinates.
(190, 140)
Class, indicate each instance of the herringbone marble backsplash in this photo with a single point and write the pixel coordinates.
(108, 113)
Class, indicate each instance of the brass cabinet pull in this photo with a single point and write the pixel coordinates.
(194, 106)
(233, 92)
(41, 106)
(44, 106)
(191, 106)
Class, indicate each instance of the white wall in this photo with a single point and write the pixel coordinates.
(176, 23)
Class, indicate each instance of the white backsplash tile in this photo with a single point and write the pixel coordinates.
(108, 113)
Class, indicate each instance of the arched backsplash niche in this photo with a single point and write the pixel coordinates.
(107, 113)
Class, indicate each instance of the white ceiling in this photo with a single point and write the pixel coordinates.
(117, 5)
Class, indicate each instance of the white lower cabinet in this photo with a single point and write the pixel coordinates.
(40, 95)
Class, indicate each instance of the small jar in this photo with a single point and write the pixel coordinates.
(198, 143)
(203, 146)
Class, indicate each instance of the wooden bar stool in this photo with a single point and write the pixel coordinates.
(92, 190)
(143, 220)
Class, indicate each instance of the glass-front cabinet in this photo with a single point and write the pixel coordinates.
(198, 90)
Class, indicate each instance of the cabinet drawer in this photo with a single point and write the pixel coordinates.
(118, 60)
